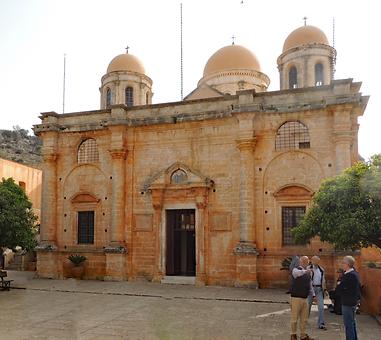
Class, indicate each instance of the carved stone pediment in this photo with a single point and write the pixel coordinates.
(178, 176)
(84, 198)
(294, 191)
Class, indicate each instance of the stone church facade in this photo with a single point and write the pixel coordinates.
(207, 188)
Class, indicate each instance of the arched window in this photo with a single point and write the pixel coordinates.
(319, 74)
(88, 151)
(108, 98)
(147, 98)
(292, 78)
(179, 177)
(129, 96)
(292, 135)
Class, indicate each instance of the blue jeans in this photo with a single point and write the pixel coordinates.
(320, 302)
(349, 317)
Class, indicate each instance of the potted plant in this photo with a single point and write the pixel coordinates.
(77, 269)
(285, 264)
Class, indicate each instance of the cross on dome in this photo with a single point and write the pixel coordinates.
(305, 21)
(127, 48)
(233, 38)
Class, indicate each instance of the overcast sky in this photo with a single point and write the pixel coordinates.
(35, 34)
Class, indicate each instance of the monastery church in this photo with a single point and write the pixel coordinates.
(206, 190)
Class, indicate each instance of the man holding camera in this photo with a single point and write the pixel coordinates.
(301, 288)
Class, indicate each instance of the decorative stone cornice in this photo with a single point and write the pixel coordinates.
(342, 136)
(46, 247)
(116, 250)
(245, 248)
(118, 154)
(246, 144)
(201, 205)
(49, 157)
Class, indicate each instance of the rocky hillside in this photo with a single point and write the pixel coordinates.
(19, 146)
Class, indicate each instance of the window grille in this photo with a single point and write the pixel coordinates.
(292, 135)
(88, 151)
(179, 177)
(291, 216)
(85, 227)
(108, 98)
(292, 78)
(129, 96)
(319, 74)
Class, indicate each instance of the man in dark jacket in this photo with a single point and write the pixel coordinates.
(349, 291)
(301, 287)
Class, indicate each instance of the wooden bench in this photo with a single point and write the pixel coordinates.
(5, 283)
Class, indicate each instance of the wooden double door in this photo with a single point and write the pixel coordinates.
(181, 242)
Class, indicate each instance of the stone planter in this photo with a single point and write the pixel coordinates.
(32, 266)
(66, 267)
(77, 271)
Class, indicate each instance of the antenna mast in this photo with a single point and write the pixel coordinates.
(333, 32)
(64, 84)
(333, 45)
(181, 52)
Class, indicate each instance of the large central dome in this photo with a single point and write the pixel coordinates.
(231, 57)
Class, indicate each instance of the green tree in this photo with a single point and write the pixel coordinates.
(346, 211)
(17, 220)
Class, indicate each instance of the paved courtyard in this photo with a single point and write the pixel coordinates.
(69, 309)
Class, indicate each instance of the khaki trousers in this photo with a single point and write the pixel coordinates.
(299, 311)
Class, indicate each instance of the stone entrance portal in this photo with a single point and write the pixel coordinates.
(180, 202)
(180, 242)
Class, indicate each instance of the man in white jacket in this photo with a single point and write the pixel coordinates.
(318, 284)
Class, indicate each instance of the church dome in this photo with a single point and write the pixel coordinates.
(126, 62)
(303, 36)
(231, 57)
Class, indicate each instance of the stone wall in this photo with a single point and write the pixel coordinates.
(27, 177)
(237, 182)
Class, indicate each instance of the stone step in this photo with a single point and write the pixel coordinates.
(179, 280)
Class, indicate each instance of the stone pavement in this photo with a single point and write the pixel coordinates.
(70, 309)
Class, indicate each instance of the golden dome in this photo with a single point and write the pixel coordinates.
(305, 35)
(231, 57)
(126, 62)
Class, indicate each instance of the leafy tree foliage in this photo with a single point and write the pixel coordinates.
(17, 220)
(346, 210)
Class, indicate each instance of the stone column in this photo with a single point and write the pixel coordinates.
(118, 197)
(246, 190)
(200, 243)
(342, 137)
(46, 250)
(49, 200)
(116, 251)
(157, 203)
(245, 251)
(342, 151)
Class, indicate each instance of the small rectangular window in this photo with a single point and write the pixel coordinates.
(291, 216)
(304, 145)
(86, 227)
